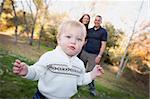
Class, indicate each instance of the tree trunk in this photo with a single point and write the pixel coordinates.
(1, 9)
(41, 33)
(34, 21)
(33, 28)
(15, 21)
(26, 27)
(42, 24)
(122, 66)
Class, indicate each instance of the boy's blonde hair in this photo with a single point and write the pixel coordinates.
(65, 26)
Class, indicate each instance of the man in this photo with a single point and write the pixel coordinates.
(94, 48)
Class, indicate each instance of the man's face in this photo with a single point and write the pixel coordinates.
(71, 41)
(97, 21)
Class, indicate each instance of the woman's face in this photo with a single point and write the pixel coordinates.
(85, 19)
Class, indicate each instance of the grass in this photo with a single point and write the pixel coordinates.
(12, 86)
(15, 87)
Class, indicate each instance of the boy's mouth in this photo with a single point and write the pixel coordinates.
(72, 47)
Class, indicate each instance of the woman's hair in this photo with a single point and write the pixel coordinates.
(86, 25)
(67, 25)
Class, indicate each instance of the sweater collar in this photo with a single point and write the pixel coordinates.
(62, 53)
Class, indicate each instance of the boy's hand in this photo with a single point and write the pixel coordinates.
(97, 71)
(20, 68)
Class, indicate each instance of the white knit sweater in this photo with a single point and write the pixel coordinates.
(58, 75)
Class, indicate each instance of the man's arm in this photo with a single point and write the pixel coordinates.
(102, 49)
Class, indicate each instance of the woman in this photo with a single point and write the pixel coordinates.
(85, 19)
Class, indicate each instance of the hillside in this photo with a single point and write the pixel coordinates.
(108, 86)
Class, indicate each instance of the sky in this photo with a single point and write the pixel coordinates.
(121, 13)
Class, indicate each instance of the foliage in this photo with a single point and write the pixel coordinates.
(114, 39)
(7, 8)
(5, 22)
(50, 28)
(50, 36)
(25, 22)
(16, 87)
(139, 55)
(141, 47)
(6, 15)
(11, 84)
(39, 3)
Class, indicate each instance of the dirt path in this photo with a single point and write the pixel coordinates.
(21, 48)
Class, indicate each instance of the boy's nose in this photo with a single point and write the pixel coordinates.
(73, 40)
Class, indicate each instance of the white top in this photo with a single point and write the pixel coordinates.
(58, 75)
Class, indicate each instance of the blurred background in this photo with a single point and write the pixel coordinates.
(28, 29)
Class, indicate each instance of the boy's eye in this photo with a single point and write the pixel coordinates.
(79, 39)
(68, 36)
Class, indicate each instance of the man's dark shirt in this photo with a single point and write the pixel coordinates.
(94, 38)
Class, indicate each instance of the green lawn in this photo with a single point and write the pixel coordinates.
(14, 87)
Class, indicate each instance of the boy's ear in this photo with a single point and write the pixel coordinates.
(58, 40)
(85, 42)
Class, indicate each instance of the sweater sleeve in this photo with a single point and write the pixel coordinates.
(35, 72)
(85, 78)
(38, 69)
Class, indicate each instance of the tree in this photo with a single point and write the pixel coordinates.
(45, 11)
(26, 23)
(125, 55)
(33, 18)
(1, 7)
(140, 50)
(114, 39)
(6, 15)
(15, 21)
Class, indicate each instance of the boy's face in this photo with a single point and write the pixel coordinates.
(71, 41)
